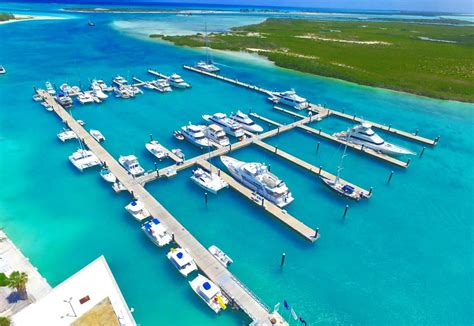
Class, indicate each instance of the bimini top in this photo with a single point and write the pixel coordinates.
(208, 290)
(181, 257)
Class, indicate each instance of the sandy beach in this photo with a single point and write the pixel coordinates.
(19, 18)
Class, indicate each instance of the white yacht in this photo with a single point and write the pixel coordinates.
(207, 66)
(66, 89)
(122, 92)
(85, 98)
(217, 135)
(208, 181)
(107, 175)
(157, 232)
(177, 81)
(138, 210)
(50, 89)
(220, 256)
(195, 135)
(209, 292)
(2, 70)
(245, 122)
(257, 177)
(182, 260)
(64, 100)
(230, 126)
(363, 134)
(75, 89)
(66, 134)
(37, 97)
(161, 85)
(97, 135)
(83, 159)
(103, 86)
(156, 149)
(130, 163)
(289, 98)
(120, 80)
(97, 90)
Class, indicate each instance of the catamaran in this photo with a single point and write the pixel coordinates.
(182, 260)
(245, 122)
(209, 293)
(83, 159)
(363, 134)
(195, 135)
(230, 126)
(66, 134)
(217, 135)
(156, 149)
(209, 181)
(130, 163)
(177, 81)
(156, 232)
(138, 210)
(257, 177)
(97, 135)
(289, 98)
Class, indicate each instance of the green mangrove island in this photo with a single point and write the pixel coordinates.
(425, 59)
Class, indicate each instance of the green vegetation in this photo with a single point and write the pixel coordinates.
(18, 280)
(5, 321)
(3, 279)
(5, 16)
(425, 59)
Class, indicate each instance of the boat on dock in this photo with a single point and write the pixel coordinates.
(161, 85)
(230, 126)
(97, 91)
(120, 80)
(363, 135)
(209, 293)
(85, 98)
(182, 260)
(130, 163)
(47, 106)
(138, 210)
(107, 175)
(177, 81)
(66, 134)
(217, 135)
(64, 100)
(289, 98)
(178, 135)
(2, 70)
(122, 92)
(37, 98)
(179, 153)
(117, 186)
(156, 232)
(103, 86)
(81, 122)
(195, 135)
(49, 88)
(208, 181)
(97, 135)
(66, 89)
(156, 149)
(245, 122)
(220, 256)
(257, 177)
(83, 159)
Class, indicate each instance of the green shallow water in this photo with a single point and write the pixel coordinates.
(402, 258)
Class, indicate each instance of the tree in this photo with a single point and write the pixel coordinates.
(17, 280)
(5, 321)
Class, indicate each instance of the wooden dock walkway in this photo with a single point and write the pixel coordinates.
(280, 214)
(229, 284)
(294, 114)
(157, 74)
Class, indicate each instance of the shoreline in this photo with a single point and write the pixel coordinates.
(21, 18)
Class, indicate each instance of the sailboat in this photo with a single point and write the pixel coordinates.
(207, 65)
(342, 188)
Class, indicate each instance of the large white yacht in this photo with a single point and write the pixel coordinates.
(138, 210)
(177, 81)
(156, 232)
(257, 177)
(230, 126)
(209, 292)
(208, 181)
(207, 66)
(97, 90)
(363, 134)
(245, 122)
(182, 260)
(83, 159)
(289, 98)
(130, 163)
(217, 134)
(156, 149)
(161, 85)
(85, 98)
(195, 135)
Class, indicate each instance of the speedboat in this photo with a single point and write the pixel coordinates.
(117, 186)
(138, 210)
(122, 92)
(156, 149)
(85, 98)
(156, 232)
(177, 81)
(363, 134)
(208, 181)
(245, 122)
(50, 89)
(195, 135)
(97, 135)
(47, 106)
(37, 98)
(81, 122)
(2, 70)
(161, 85)
(67, 134)
(103, 86)
(135, 90)
(130, 163)
(120, 80)
(289, 98)
(66, 89)
(64, 100)
(217, 135)
(179, 153)
(178, 135)
(230, 126)
(257, 177)
(75, 89)
(83, 159)
(220, 256)
(209, 292)
(108, 176)
(206, 66)
(97, 90)
(182, 260)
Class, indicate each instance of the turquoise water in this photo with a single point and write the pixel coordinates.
(402, 258)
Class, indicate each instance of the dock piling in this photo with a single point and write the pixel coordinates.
(408, 162)
(320, 168)
(390, 177)
(283, 256)
(151, 137)
(205, 197)
(316, 233)
(370, 191)
(345, 211)
(417, 131)
(317, 147)
(422, 151)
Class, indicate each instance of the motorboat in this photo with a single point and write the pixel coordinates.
(103, 86)
(156, 232)
(107, 175)
(64, 100)
(49, 88)
(81, 122)
(207, 66)
(220, 256)
(47, 106)
(75, 89)
(208, 181)
(161, 85)
(230, 126)
(156, 149)
(178, 135)
(182, 260)
(37, 98)
(122, 92)
(66, 89)
(209, 293)
(195, 135)
(83, 159)
(138, 210)
(177, 81)
(216, 134)
(66, 134)
(179, 153)
(257, 177)
(97, 135)
(117, 186)
(85, 98)
(363, 135)
(2, 70)
(245, 122)
(130, 163)
(289, 98)
(97, 90)
(120, 80)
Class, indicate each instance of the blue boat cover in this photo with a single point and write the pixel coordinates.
(155, 220)
(134, 203)
(179, 255)
(206, 285)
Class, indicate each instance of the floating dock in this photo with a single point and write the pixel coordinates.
(157, 74)
(229, 284)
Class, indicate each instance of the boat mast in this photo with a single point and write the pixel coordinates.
(340, 167)
(208, 58)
